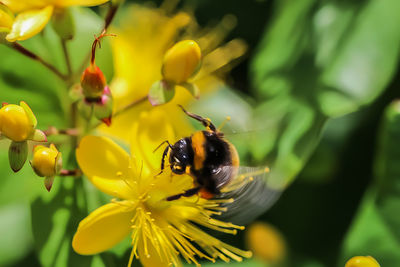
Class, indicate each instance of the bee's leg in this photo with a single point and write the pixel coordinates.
(188, 193)
(165, 153)
(206, 122)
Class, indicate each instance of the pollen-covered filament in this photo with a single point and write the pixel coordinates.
(163, 229)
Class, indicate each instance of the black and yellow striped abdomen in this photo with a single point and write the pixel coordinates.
(213, 159)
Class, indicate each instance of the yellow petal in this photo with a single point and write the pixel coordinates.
(149, 131)
(65, 3)
(102, 229)
(106, 165)
(6, 17)
(18, 6)
(29, 23)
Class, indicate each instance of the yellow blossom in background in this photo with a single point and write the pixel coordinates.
(143, 37)
(362, 261)
(33, 15)
(266, 242)
(160, 230)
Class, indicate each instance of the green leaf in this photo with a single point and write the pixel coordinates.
(388, 170)
(375, 231)
(55, 217)
(316, 61)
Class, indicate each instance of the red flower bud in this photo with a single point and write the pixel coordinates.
(93, 82)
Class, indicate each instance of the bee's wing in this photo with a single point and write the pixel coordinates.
(253, 194)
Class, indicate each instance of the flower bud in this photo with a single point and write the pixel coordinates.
(15, 123)
(17, 155)
(362, 261)
(46, 162)
(18, 123)
(93, 82)
(181, 61)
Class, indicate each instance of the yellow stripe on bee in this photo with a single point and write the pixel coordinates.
(198, 141)
(234, 155)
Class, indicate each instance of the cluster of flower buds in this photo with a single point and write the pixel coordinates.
(18, 123)
(180, 63)
(97, 99)
(46, 162)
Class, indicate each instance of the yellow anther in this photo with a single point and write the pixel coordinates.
(181, 61)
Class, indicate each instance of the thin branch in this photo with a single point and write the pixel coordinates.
(67, 57)
(126, 108)
(75, 173)
(54, 131)
(129, 106)
(33, 56)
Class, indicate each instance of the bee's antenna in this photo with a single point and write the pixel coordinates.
(205, 121)
(166, 141)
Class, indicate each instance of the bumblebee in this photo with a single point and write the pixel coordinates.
(206, 156)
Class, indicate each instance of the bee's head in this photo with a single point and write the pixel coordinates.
(181, 155)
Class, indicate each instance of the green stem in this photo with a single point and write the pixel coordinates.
(67, 57)
(33, 56)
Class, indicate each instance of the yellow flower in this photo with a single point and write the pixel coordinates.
(160, 230)
(18, 123)
(362, 261)
(266, 242)
(33, 15)
(181, 61)
(144, 37)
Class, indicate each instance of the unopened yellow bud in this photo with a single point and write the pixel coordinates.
(181, 61)
(362, 261)
(46, 161)
(15, 123)
(266, 242)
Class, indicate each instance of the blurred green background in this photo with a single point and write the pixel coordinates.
(317, 88)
